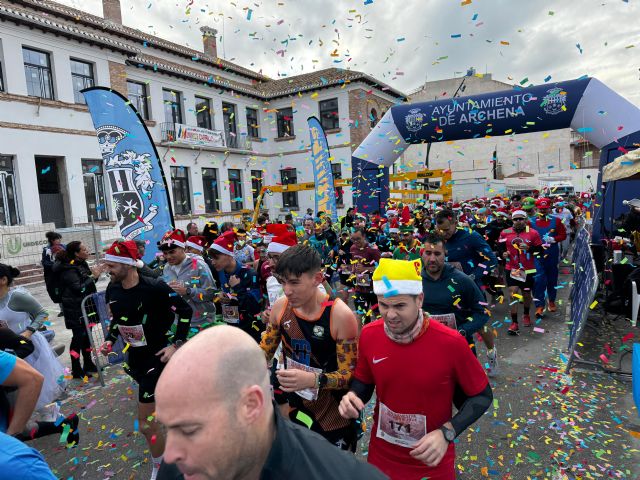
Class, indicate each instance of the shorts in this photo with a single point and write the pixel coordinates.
(526, 285)
(147, 380)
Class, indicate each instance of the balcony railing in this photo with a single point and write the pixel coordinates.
(177, 133)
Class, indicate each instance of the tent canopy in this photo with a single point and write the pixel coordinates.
(624, 167)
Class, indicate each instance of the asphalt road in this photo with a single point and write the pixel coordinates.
(542, 419)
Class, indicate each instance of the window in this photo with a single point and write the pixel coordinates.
(336, 170)
(329, 114)
(285, 122)
(210, 190)
(37, 69)
(235, 189)
(137, 93)
(181, 195)
(256, 184)
(373, 117)
(93, 176)
(203, 113)
(252, 123)
(289, 176)
(229, 118)
(8, 203)
(172, 106)
(81, 78)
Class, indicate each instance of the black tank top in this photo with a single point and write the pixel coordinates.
(309, 342)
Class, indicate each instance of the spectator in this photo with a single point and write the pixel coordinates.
(75, 280)
(192, 229)
(54, 245)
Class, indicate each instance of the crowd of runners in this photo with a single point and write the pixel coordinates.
(255, 347)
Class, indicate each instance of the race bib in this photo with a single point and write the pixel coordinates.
(448, 320)
(230, 314)
(519, 275)
(363, 280)
(307, 393)
(402, 429)
(133, 335)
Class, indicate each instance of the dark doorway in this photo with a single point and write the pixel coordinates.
(49, 191)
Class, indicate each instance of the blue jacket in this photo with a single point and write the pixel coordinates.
(472, 252)
(441, 294)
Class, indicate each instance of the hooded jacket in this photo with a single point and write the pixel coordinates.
(441, 296)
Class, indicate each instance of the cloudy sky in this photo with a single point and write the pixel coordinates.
(404, 42)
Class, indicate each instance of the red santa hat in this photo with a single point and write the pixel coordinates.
(173, 238)
(124, 252)
(197, 242)
(280, 243)
(225, 242)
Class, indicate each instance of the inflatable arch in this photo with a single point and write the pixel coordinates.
(600, 115)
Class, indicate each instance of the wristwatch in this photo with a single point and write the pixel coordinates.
(188, 291)
(178, 343)
(321, 380)
(449, 434)
(31, 329)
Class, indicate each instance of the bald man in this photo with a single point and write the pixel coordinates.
(214, 398)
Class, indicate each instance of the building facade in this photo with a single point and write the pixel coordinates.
(522, 160)
(222, 131)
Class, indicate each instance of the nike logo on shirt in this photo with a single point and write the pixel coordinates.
(378, 360)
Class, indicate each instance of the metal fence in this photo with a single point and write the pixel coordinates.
(96, 320)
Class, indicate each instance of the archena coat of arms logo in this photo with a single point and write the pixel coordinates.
(554, 101)
(130, 178)
(414, 120)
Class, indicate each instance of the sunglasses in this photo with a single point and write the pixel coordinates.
(519, 219)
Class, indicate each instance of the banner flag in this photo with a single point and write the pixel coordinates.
(322, 174)
(138, 186)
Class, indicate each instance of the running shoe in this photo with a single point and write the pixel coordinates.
(552, 306)
(539, 312)
(492, 358)
(526, 320)
(513, 329)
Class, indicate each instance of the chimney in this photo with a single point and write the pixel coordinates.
(209, 41)
(111, 11)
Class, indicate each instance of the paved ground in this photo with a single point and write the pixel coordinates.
(541, 420)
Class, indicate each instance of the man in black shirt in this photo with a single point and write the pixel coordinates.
(214, 398)
(143, 310)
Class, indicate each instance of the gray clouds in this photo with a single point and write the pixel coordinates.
(404, 42)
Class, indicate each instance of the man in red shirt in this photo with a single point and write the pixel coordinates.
(518, 245)
(419, 369)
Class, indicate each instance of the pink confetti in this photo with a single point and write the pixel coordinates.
(538, 330)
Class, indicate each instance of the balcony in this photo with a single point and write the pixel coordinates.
(180, 134)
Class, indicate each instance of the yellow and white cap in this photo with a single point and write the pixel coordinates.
(397, 277)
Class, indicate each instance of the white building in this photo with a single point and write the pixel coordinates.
(522, 159)
(50, 164)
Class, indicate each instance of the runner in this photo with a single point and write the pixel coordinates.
(468, 251)
(451, 297)
(364, 258)
(413, 429)
(240, 298)
(518, 246)
(189, 276)
(143, 310)
(409, 248)
(319, 347)
(552, 233)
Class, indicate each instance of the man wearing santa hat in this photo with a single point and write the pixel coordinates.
(240, 298)
(143, 310)
(189, 276)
